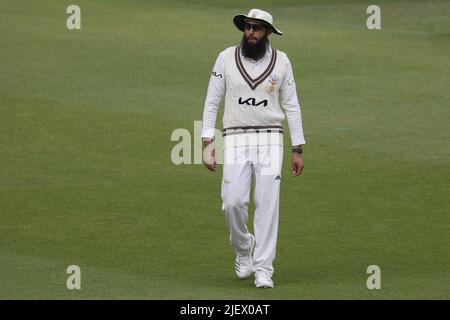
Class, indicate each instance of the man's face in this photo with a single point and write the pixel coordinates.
(254, 31)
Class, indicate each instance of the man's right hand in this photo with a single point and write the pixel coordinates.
(209, 155)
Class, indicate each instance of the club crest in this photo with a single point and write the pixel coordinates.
(273, 80)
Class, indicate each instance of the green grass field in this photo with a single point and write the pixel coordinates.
(86, 176)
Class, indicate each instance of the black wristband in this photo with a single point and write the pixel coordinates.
(298, 150)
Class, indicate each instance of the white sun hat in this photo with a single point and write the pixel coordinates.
(255, 14)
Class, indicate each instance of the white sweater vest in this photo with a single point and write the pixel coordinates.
(253, 102)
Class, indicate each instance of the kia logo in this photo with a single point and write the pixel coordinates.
(252, 102)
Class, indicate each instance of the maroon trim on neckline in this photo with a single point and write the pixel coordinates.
(253, 83)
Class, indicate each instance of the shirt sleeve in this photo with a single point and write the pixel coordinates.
(289, 101)
(216, 90)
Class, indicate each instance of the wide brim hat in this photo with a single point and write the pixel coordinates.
(258, 15)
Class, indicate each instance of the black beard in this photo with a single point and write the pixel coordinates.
(255, 51)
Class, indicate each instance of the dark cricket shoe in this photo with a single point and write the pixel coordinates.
(244, 264)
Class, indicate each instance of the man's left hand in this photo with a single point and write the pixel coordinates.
(297, 164)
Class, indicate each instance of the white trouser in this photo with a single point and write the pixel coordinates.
(263, 162)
